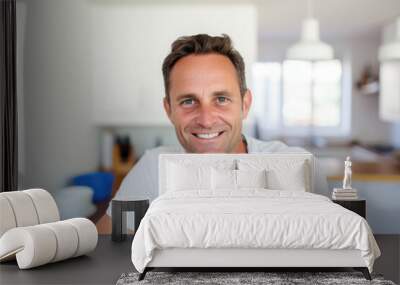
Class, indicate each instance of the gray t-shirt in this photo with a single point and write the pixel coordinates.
(142, 179)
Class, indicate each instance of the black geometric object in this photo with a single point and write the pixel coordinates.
(357, 206)
(118, 213)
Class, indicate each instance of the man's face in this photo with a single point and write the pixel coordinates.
(205, 104)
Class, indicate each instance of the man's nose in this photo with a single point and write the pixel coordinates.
(206, 117)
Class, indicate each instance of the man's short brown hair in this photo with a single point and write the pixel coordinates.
(203, 44)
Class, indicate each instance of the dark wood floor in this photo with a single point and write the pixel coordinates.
(389, 262)
(110, 260)
(102, 266)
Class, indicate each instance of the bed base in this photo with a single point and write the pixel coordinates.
(251, 259)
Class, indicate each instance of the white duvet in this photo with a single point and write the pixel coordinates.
(250, 218)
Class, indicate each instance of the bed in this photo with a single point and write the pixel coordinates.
(245, 211)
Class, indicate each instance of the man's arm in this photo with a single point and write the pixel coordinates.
(138, 182)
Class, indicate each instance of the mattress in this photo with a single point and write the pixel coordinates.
(250, 219)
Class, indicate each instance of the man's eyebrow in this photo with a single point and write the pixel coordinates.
(185, 96)
(193, 96)
(222, 93)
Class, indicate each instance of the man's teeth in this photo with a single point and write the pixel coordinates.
(207, 136)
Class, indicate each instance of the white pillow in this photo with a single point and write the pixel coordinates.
(235, 179)
(181, 177)
(281, 174)
(291, 177)
(293, 180)
(251, 178)
(223, 179)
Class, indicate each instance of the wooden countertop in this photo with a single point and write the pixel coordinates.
(384, 169)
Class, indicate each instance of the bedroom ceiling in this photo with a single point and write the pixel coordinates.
(339, 19)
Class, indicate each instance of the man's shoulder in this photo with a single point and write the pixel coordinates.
(259, 146)
(254, 146)
(148, 162)
(155, 152)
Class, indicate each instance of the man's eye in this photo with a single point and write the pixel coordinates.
(187, 102)
(222, 100)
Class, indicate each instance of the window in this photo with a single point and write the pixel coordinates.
(300, 98)
(389, 99)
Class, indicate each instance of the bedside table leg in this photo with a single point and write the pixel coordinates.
(364, 271)
(118, 222)
(140, 211)
(142, 275)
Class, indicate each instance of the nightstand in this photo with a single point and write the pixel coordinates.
(357, 206)
(118, 213)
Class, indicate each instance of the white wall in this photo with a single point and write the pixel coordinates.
(365, 123)
(21, 23)
(130, 42)
(60, 139)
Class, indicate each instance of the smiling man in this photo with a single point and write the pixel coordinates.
(206, 99)
(206, 94)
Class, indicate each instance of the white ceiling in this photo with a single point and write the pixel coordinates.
(339, 19)
(281, 19)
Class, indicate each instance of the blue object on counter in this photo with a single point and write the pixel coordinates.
(100, 182)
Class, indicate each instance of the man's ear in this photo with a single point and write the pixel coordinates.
(167, 107)
(246, 104)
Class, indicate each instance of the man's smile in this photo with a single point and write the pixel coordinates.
(208, 136)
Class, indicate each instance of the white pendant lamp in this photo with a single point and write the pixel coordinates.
(391, 50)
(310, 47)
